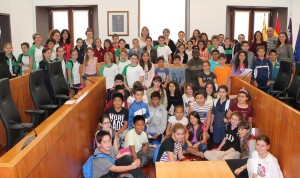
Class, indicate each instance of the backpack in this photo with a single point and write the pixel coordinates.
(156, 153)
(87, 168)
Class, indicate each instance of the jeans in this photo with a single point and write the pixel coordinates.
(146, 158)
(218, 134)
(202, 147)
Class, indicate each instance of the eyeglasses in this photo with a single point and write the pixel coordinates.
(106, 123)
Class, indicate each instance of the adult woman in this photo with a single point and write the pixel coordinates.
(65, 41)
(55, 35)
(257, 41)
(144, 35)
(285, 50)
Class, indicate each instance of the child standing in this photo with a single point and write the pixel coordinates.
(261, 69)
(250, 55)
(109, 70)
(157, 86)
(122, 44)
(189, 49)
(148, 68)
(187, 98)
(137, 141)
(230, 146)
(177, 118)
(90, 63)
(118, 81)
(162, 71)
(177, 73)
(204, 55)
(99, 51)
(227, 50)
(171, 149)
(73, 70)
(214, 62)
(108, 47)
(138, 107)
(273, 55)
(80, 50)
(157, 122)
(23, 59)
(10, 59)
(44, 66)
(223, 72)
(195, 138)
(163, 50)
(50, 44)
(123, 60)
(103, 167)
(151, 50)
(133, 72)
(180, 40)
(240, 63)
(174, 97)
(215, 45)
(65, 42)
(219, 111)
(60, 58)
(35, 51)
(206, 76)
(181, 53)
(136, 48)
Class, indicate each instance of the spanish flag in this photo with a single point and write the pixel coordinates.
(277, 26)
(264, 30)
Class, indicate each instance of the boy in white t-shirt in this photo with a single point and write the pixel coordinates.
(163, 50)
(123, 60)
(133, 72)
(177, 118)
(23, 59)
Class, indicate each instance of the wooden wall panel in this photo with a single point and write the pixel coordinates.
(280, 122)
(64, 139)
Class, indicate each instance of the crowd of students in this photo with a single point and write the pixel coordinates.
(154, 111)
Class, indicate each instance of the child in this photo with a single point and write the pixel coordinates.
(121, 90)
(148, 68)
(118, 81)
(215, 45)
(242, 106)
(163, 50)
(240, 63)
(80, 50)
(60, 57)
(174, 97)
(130, 98)
(65, 42)
(188, 97)
(157, 122)
(109, 70)
(105, 124)
(151, 50)
(137, 141)
(162, 71)
(221, 40)
(118, 116)
(171, 149)
(263, 163)
(206, 76)
(157, 86)
(230, 146)
(44, 66)
(133, 72)
(136, 48)
(204, 37)
(261, 70)
(90, 63)
(202, 109)
(115, 41)
(103, 167)
(99, 51)
(123, 60)
(138, 107)
(228, 50)
(181, 53)
(210, 90)
(273, 55)
(238, 46)
(177, 73)
(195, 138)
(55, 35)
(35, 52)
(73, 69)
(250, 54)
(214, 62)
(204, 55)
(108, 47)
(177, 118)
(219, 111)
(189, 49)
(10, 59)
(122, 44)
(180, 40)
(169, 42)
(50, 44)
(223, 72)
(23, 59)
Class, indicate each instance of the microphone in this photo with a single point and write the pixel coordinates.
(25, 127)
(85, 78)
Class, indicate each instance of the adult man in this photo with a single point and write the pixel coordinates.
(271, 40)
(193, 68)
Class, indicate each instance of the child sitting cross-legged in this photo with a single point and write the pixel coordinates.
(137, 141)
(104, 168)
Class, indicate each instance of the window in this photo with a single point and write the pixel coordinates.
(60, 19)
(259, 17)
(241, 23)
(160, 14)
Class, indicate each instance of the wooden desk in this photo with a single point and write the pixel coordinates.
(193, 169)
(64, 140)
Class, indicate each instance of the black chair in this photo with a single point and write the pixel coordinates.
(58, 82)
(283, 78)
(293, 92)
(10, 117)
(40, 95)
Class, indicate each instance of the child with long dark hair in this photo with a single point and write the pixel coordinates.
(174, 97)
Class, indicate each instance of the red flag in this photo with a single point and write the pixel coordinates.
(277, 27)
